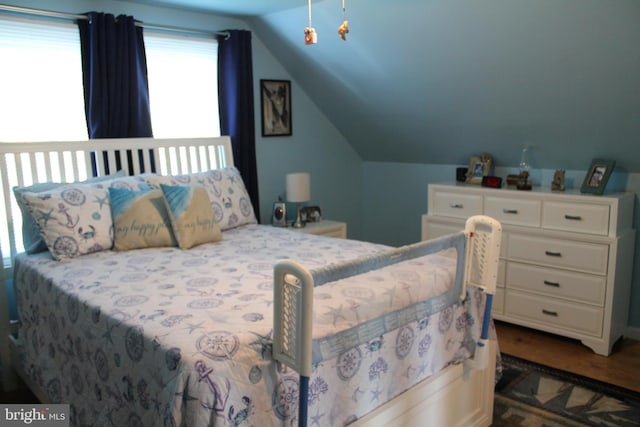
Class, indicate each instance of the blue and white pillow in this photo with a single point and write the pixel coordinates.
(75, 219)
(193, 219)
(140, 219)
(227, 194)
(31, 236)
(233, 205)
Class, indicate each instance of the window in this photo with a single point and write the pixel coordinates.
(42, 94)
(183, 85)
(40, 81)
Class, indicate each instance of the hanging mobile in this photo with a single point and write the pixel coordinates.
(344, 28)
(310, 35)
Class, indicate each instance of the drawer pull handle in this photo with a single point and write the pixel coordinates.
(573, 217)
(554, 284)
(550, 313)
(510, 211)
(456, 205)
(555, 254)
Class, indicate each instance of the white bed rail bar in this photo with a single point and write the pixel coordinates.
(27, 163)
(294, 286)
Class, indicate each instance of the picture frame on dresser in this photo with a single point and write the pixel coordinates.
(311, 214)
(479, 167)
(597, 176)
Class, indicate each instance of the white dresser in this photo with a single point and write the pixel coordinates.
(566, 258)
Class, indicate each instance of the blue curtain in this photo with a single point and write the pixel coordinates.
(114, 68)
(235, 96)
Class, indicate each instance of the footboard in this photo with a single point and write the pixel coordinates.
(477, 248)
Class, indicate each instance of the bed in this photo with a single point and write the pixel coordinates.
(263, 326)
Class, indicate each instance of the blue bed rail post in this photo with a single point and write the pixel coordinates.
(484, 335)
(303, 403)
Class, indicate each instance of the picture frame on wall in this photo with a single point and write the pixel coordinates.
(275, 96)
(597, 176)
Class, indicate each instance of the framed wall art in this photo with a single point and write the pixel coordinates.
(275, 96)
(597, 176)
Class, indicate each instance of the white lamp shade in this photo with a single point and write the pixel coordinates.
(298, 187)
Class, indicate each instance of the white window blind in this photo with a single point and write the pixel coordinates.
(40, 81)
(183, 85)
(41, 93)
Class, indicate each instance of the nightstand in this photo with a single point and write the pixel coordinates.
(324, 228)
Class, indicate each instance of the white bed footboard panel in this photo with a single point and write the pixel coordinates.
(23, 164)
(455, 397)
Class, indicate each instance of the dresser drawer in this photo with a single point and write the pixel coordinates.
(554, 312)
(514, 211)
(587, 257)
(580, 287)
(578, 217)
(456, 205)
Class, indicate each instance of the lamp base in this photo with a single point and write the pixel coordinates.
(298, 223)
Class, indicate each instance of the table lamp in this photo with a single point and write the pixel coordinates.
(298, 191)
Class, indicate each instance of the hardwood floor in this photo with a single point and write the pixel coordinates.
(621, 368)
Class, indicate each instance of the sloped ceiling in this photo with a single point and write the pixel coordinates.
(437, 81)
(229, 7)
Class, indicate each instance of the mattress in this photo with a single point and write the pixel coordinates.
(182, 337)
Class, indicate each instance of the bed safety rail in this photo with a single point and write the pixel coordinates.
(478, 249)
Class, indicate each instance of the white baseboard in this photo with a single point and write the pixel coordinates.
(632, 332)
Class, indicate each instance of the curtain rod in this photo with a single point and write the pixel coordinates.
(70, 16)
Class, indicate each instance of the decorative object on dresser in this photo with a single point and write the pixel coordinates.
(512, 180)
(492, 181)
(558, 180)
(525, 171)
(479, 166)
(566, 260)
(597, 176)
(461, 174)
(298, 191)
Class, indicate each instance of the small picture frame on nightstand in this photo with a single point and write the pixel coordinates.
(311, 214)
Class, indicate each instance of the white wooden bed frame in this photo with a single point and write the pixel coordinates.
(461, 395)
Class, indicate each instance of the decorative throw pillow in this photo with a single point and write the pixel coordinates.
(192, 217)
(140, 219)
(31, 237)
(226, 190)
(75, 219)
(233, 204)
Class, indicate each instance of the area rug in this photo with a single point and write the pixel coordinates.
(533, 395)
